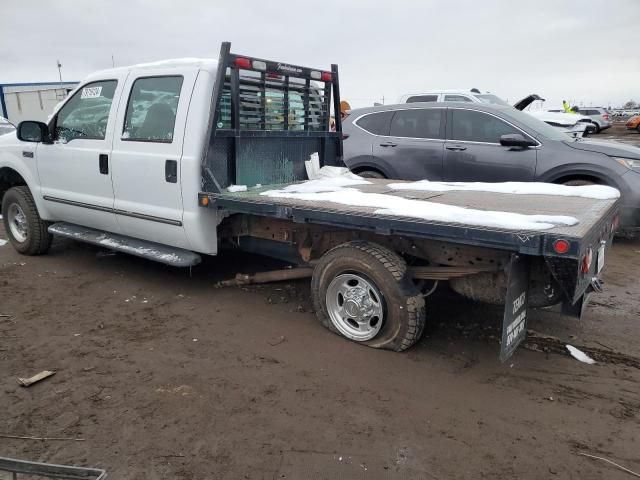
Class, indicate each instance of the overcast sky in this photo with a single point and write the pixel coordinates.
(587, 51)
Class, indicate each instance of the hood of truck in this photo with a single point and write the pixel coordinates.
(613, 149)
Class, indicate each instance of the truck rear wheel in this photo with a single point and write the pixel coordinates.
(27, 232)
(361, 291)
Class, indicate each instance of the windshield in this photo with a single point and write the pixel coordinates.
(489, 98)
(538, 126)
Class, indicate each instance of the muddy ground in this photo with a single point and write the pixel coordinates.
(164, 376)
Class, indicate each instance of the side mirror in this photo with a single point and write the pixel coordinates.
(31, 131)
(516, 140)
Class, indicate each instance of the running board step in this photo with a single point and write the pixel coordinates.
(176, 257)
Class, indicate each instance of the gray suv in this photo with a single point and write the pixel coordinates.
(484, 143)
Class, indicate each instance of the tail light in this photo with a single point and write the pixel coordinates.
(561, 246)
(606, 116)
(615, 223)
(587, 258)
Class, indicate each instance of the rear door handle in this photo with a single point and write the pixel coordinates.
(103, 163)
(171, 171)
(456, 148)
(388, 144)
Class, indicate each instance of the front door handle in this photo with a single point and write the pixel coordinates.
(456, 148)
(103, 163)
(171, 171)
(388, 144)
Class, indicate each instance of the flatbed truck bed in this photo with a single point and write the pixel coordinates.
(588, 211)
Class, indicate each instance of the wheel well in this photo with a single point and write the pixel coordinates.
(365, 168)
(9, 178)
(587, 178)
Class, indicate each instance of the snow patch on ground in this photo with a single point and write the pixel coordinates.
(580, 355)
(237, 188)
(600, 192)
(2, 242)
(336, 190)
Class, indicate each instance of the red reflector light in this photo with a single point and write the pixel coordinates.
(325, 77)
(616, 222)
(586, 261)
(243, 63)
(561, 246)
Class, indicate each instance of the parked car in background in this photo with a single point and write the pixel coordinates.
(6, 126)
(633, 123)
(600, 117)
(573, 125)
(464, 141)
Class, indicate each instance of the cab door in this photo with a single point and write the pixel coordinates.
(473, 152)
(147, 154)
(76, 169)
(414, 148)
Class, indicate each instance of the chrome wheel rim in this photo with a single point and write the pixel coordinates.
(18, 223)
(355, 307)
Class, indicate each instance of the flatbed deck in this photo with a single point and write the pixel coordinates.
(588, 211)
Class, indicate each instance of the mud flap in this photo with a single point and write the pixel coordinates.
(514, 322)
(576, 310)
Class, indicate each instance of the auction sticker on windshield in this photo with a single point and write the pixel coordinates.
(91, 92)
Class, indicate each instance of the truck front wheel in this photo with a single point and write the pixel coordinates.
(26, 230)
(361, 291)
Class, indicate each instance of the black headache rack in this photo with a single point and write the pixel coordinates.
(258, 103)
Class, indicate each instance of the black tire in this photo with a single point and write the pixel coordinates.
(38, 239)
(404, 312)
(596, 127)
(371, 174)
(638, 128)
(578, 183)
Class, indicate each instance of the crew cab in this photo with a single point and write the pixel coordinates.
(172, 160)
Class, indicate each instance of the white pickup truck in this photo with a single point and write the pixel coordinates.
(141, 159)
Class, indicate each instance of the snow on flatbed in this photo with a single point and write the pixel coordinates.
(572, 216)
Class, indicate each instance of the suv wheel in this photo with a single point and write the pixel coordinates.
(370, 174)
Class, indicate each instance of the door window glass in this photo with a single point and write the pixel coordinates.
(151, 111)
(473, 126)
(457, 98)
(422, 98)
(86, 114)
(417, 123)
(376, 123)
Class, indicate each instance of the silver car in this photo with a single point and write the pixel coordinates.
(600, 117)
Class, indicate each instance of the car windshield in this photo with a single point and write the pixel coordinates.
(538, 126)
(493, 99)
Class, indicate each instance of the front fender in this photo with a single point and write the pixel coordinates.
(12, 158)
(601, 173)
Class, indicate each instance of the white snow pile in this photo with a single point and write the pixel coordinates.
(338, 189)
(237, 188)
(580, 355)
(600, 192)
(2, 242)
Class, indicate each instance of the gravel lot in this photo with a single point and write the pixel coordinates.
(164, 376)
